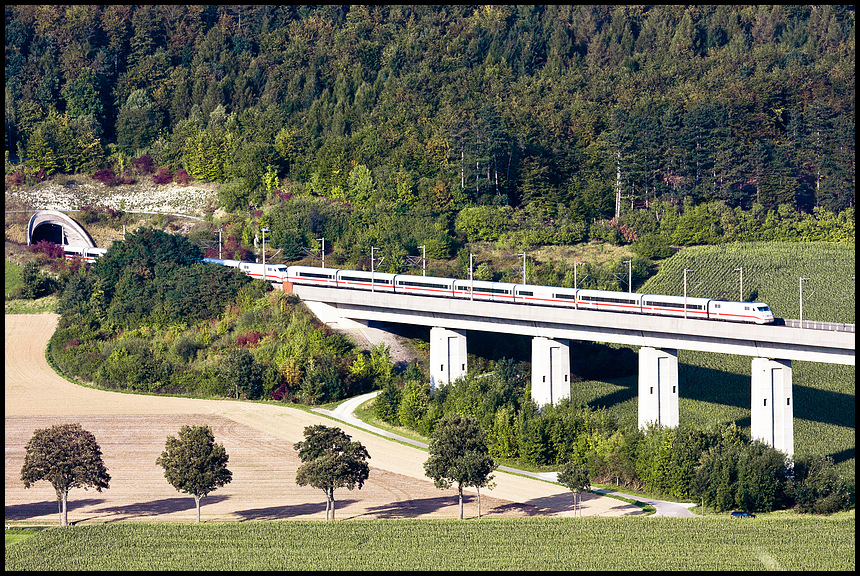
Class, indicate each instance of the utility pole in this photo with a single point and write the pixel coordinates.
(685, 291)
(264, 230)
(576, 265)
(618, 185)
(219, 240)
(322, 251)
(741, 270)
(801, 302)
(423, 260)
(524, 266)
(629, 275)
(372, 287)
(471, 279)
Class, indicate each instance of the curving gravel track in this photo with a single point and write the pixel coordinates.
(131, 430)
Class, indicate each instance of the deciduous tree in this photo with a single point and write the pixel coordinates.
(68, 457)
(459, 454)
(330, 460)
(194, 464)
(575, 477)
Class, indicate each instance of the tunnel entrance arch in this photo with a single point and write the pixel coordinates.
(58, 228)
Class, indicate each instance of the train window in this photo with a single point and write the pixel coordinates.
(620, 301)
(565, 296)
(357, 279)
(494, 290)
(716, 305)
(678, 305)
(525, 293)
(423, 285)
(314, 275)
(667, 304)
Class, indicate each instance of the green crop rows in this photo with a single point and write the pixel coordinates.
(771, 274)
(791, 543)
(715, 388)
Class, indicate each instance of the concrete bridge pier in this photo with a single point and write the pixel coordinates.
(658, 387)
(447, 356)
(550, 370)
(772, 409)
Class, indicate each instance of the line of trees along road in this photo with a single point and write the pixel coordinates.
(69, 457)
(731, 474)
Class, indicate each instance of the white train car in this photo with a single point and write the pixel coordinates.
(88, 254)
(362, 280)
(424, 285)
(272, 272)
(312, 275)
(483, 290)
(740, 312)
(674, 306)
(609, 301)
(544, 295)
(227, 263)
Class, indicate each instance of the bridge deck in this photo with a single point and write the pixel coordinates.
(781, 342)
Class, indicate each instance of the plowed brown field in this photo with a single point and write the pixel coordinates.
(131, 430)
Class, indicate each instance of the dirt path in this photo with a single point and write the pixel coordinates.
(131, 430)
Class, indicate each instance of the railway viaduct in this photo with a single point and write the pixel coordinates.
(772, 348)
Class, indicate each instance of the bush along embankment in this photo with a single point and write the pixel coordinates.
(149, 316)
(720, 467)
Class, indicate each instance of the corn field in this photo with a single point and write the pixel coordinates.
(715, 388)
(710, 543)
(771, 274)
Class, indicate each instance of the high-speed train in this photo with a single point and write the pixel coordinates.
(580, 299)
(86, 253)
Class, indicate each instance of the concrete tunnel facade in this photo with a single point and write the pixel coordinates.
(58, 228)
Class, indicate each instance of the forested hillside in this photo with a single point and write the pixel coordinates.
(566, 109)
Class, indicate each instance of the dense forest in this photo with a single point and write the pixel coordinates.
(579, 111)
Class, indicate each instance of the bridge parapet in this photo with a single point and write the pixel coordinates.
(779, 342)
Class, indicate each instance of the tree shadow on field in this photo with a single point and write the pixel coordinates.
(558, 503)
(415, 507)
(162, 506)
(46, 508)
(843, 455)
(284, 512)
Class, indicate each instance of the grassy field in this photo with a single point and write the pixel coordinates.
(716, 387)
(772, 272)
(13, 277)
(790, 543)
(13, 280)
